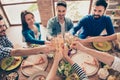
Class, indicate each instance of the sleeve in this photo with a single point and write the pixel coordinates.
(77, 27)
(70, 27)
(31, 39)
(79, 72)
(109, 26)
(80, 24)
(38, 26)
(116, 64)
(49, 27)
(4, 52)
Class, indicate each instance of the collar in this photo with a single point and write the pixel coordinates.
(58, 20)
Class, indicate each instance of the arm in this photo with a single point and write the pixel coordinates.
(29, 38)
(4, 52)
(76, 28)
(52, 73)
(69, 25)
(109, 26)
(101, 56)
(38, 26)
(31, 51)
(75, 66)
(100, 38)
(49, 28)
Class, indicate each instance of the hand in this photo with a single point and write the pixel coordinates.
(49, 38)
(58, 56)
(65, 51)
(77, 45)
(47, 42)
(82, 41)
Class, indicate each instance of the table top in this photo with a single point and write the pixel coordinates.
(50, 62)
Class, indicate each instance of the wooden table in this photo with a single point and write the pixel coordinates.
(22, 77)
(50, 62)
(94, 77)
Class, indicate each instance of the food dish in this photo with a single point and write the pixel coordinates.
(73, 76)
(88, 63)
(41, 75)
(33, 64)
(11, 63)
(64, 69)
(12, 76)
(102, 46)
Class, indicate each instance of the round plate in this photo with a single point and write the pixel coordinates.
(12, 76)
(37, 75)
(102, 46)
(14, 64)
(32, 64)
(88, 63)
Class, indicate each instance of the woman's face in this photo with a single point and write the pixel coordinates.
(29, 18)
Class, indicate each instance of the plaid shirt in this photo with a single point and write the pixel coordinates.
(5, 47)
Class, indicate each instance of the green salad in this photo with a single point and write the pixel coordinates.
(66, 72)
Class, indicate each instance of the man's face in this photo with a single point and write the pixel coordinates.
(98, 11)
(2, 28)
(61, 11)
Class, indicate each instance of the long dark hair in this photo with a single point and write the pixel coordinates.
(24, 23)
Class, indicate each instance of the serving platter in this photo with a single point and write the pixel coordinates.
(88, 63)
(33, 64)
(11, 63)
(41, 75)
(103, 46)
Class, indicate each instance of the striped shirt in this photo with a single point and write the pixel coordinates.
(5, 47)
(79, 72)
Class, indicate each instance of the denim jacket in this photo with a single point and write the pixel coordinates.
(54, 27)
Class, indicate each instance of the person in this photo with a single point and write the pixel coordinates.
(104, 57)
(7, 49)
(63, 53)
(60, 23)
(93, 25)
(31, 29)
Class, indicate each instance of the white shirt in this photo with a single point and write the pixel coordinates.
(116, 64)
(62, 28)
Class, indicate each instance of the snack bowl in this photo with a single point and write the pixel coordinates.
(11, 63)
(12, 76)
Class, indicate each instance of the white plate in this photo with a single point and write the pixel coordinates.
(102, 46)
(37, 75)
(88, 63)
(35, 67)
